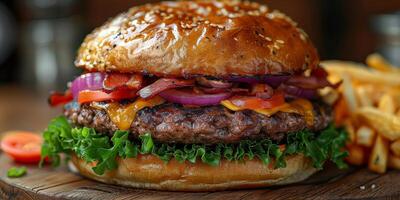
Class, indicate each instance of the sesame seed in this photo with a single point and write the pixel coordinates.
(263, 9)
(373, 186)
(221, 26)
(253, 13)
(280, 41)
(362, 187)
(168, 17)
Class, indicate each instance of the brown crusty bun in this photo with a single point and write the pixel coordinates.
(187, 38)
(149, 172)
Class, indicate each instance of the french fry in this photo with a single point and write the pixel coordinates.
(395, 147)
(356, 155)
(385, 123)
(341, 111)
(379, 155)
(377, 62)
(351, 133)
(363, 97)
(394, 162)
(365, 136)
(348, 93)
(386, 104)
(371, 102)
(361, 73)
(329, 95)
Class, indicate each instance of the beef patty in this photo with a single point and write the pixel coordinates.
(171, 123)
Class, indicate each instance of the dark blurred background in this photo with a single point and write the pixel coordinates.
(39, 38)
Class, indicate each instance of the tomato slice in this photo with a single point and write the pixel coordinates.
(86, 96)
(116, 80)
(248, 102)
(57, 98)
(23, 147)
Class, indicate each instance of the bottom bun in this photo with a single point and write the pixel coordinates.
(149, 172)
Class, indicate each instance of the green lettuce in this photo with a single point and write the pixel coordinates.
(60, 138)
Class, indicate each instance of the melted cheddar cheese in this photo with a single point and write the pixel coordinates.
(299, 106)
(123, 115)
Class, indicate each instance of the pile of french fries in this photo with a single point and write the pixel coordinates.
(369, 107)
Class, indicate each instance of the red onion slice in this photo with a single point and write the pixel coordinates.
(311, 82)
(272, 80)
(188, 98)
(213, 83)
(89, 81)
(163, 84)
(300, 92)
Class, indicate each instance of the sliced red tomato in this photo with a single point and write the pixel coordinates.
(86, 96)
(161, 85)
(57, 98)
(249, 102)
(116, 80)
(23, 147)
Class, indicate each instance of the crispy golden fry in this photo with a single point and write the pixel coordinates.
(394, 162)
(364, 97)
(329, 95)
(395, 147)
(348, 93)
(350, 131)
(356, 155)
(361, 73)
(386, 104)
(379, 155)
(377, 62)
(365, 136)
(384, 123)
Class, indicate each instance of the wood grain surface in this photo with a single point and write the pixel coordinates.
(59, 183)
(26, 110)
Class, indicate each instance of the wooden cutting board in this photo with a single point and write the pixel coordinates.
(59, 183)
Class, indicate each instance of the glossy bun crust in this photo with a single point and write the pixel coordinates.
(149, 172)
(186, 38)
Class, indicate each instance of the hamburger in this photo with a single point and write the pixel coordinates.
(196, 96)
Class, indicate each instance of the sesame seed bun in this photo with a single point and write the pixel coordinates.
(149, 172)
(186, 38)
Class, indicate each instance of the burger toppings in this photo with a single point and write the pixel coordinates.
(56, 98)
(118, 80)
(163, 84)
(298, 106)
(272, 80)
(203, 81)
(191, 98)
(300, 92)
(123, 116)
(88, 81)
(87, 96)
(317, 80)
(60, 137)
(266, 95)
(251, 102)
(258, 92)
